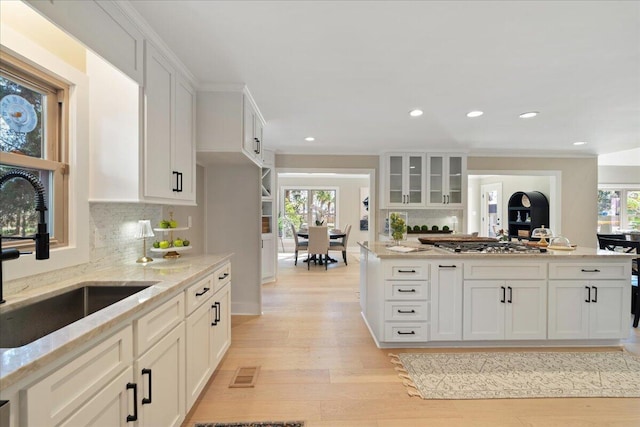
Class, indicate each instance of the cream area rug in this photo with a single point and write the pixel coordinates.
(504, 375)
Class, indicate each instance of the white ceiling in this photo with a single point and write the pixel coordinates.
(348, 72)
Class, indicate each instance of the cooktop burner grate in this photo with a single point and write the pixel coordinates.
(488, 247)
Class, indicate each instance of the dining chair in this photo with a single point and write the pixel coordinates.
(631, 247)
(318, 244)
(299, 245)
(342, 244)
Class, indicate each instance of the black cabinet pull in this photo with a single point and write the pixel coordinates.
(504, 294)
(406, 311)
(406, 333)
(407, 290)
(177, 176)
(179, 182)
(133, 417)
(204, 291)
(224, 276)
(257, 149)
(588, 294)
(406, 271)
(446, 266)
(218, 310)
(146, 400)
(595, 293)
(215, 318)
(444, 199)
(590, 271)
(510, 300)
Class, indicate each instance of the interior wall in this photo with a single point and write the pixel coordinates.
(349, 202)
(576, 190)
(624, 175)
(232, 218)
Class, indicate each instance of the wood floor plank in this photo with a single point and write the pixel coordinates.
(319, 364)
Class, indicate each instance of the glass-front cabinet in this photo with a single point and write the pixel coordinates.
(404, 180)
(446, 180)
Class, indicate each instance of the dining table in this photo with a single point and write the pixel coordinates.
(333, 235)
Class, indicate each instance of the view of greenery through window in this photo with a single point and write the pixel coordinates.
(17, 200)
(618, 209)
(306, 206)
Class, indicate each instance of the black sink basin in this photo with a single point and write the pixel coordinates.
(28, 323)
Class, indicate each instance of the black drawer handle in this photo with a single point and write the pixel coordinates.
(406, 333)
(204, 291)
(406, 271)
(406, 311)
(146, 400)
(590, 271)
(588, 294)
(446, 266)
(133, 417)
(224, 276)
(407, 290)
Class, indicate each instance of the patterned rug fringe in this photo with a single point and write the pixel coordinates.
(412, 390)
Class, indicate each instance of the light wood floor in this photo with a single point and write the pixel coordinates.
(319, 364)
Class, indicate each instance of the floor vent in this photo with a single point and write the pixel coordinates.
(245, 376)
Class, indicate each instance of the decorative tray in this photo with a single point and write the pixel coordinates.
(562, 248)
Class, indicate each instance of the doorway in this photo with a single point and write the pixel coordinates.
(491, 214)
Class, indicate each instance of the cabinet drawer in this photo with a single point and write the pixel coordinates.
(418, 331)
(222, 276)
(157, 323)
(406, 269)
(198, 293)
(400, 310)
(53, 399)
(504, 270)
(589, 271)
(406, 290)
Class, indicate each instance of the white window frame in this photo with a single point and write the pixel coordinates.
(283, 189)
(624, 189)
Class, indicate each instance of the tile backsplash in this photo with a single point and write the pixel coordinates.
(112, 242)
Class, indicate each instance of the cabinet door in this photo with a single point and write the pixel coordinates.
(160, 375)
(268, 258)
(436, 180)
(159, 124)
(109, 408)
(184, 152)
(249, 143)
(568, 309)
(200, 354)
(394, 180)
(609, 309)
(414, 180)
(446, 301)
(526, 310)
(484, 307)
(455, 180)
(221, 304)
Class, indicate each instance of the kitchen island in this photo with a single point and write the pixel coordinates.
(432, 297)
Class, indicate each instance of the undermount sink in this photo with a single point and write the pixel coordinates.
(33, 321)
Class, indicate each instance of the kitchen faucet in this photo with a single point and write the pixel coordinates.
(41, 237)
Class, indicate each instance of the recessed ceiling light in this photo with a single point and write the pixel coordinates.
(415, 113)
(475, 113)
(310, 139)
(579, 143)
(528, 114)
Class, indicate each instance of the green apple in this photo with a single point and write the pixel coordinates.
(164, 224)
(156, 244)
(178, 243)
(173, 224)
(164, 244)
(186, 242)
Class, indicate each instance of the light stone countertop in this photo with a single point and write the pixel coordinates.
(380, 250)
(171, 276)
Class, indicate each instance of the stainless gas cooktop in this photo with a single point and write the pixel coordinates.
(489, 247)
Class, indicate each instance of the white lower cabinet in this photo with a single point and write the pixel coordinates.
(505, 309)
(446, 301)
(580, 309)
(221, 304)
(160, 375)
(94, 389)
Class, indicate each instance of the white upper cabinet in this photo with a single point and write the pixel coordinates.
(169, 139)
(229, 123)
(404, 182)
(89, 22)
(447, 180)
